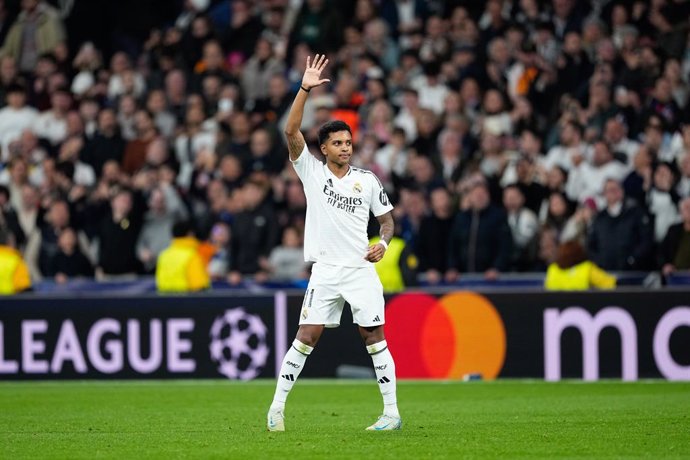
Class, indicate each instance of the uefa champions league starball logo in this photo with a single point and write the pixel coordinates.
(238, 344)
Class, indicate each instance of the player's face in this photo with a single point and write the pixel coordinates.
(338, 148)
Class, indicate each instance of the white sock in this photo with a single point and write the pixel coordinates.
(384, 366)
(293, 362)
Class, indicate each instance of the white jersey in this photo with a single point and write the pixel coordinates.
(338, 211)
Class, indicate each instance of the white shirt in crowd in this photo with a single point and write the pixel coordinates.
(51, 127)
(12, 123)
(338, 211)
(560, 155)
(664, 210)
(587, 181)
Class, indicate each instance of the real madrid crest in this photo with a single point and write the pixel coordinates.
(357, 188)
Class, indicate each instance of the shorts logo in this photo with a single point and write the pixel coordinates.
(376, 319)
(383, 198)
(357, 188)
(295, 365)
(378, 368)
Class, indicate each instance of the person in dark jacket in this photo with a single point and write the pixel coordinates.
(675, 248)
(117, 234)
(255, 232)
(68, 262)
(107, 143)
(434, 232)
(621, 234)
(480, 239)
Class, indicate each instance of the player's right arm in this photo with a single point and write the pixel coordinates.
(311, 79)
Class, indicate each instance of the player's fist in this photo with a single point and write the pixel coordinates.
(375, 252)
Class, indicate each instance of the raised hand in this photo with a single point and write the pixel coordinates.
(312, 75)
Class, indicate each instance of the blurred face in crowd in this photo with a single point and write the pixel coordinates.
(252, 195)
(277, 86)
(30, 197)
(663, 177)
(157, 201)
(175, 82)
(156, 102)
(58, 215)
(260, 143)
(230, 167)
(67, 241)
(555, 179)
(119, 63)
(613, 192)
(422, 170)
(121, 203)
(220, 234)
(440, 203)
(479, 197)
(107, 122)
(111, 171)
(291, 238)
(143, 122)
(157, 152)
(614, 131)
(569, 135)
(16, 99)
(264, 50)
(530, 143)
(513, 199)
(557, 205)
(211, 86)
(8, 68)
(493, 102)
(19, 171)
(602, 154)
(662, 90)
(127, 105)
(213, 55)
(29, 5)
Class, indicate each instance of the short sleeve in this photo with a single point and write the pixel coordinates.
(380, 204)
(305, 164)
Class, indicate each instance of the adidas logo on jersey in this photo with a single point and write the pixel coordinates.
(330, 182)
(384, 379)
(376, 319)
(290, 377)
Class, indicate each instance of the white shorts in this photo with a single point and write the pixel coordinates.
(331, 286)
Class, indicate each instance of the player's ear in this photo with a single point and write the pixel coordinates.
(323, 148)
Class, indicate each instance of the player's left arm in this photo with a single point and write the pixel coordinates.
(376, 251)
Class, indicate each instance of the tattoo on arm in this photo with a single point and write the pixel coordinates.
(387, 226)
(295, 144)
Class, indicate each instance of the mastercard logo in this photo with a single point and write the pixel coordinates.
(460, 333)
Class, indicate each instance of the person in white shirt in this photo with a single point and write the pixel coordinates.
(339, 200)
(587, 179)
(15, 118)
(52, 124)
(570, 152)
(616, 134)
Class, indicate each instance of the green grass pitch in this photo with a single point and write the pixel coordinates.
(326, 419)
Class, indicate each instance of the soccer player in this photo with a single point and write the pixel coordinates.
(339, 200)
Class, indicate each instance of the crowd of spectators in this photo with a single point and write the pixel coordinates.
(500, 129)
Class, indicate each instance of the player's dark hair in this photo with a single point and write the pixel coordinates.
(332, 127)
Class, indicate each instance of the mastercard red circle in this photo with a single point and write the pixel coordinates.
(460, 333)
